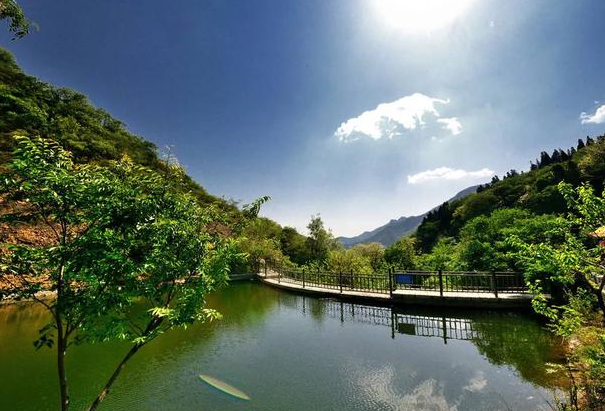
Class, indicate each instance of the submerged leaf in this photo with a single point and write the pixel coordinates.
(224, 387)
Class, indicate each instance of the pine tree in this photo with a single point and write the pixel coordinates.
(544, 159)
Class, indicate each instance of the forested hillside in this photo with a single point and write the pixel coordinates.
(31, 107)
(534, 191)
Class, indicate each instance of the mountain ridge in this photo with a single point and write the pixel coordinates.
(390, 232)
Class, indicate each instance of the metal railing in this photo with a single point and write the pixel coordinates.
(441, 282)
(460, 281)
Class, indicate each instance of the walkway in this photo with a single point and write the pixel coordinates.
(508, 299)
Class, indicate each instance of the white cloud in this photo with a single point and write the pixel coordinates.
(477, 383)
(388, 120)
(597, 118)
(381, 384)
(452, 124)
(446, 173)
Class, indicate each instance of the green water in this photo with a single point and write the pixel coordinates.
(289, 352)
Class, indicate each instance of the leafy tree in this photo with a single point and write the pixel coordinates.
(293, 245)
(119, 233)
(373, 252)
(402, 253)
(475, 205)
(575, 264)
(345, 261)
(18, 23)
(483, 246)
(320, 241)
(444, 256)
(577, 260)
(259, 241)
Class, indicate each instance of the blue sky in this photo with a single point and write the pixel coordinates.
(360, 110)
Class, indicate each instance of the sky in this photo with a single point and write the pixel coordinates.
(361, 111)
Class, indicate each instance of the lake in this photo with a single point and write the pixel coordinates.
(291, 352)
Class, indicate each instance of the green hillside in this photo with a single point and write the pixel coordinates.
(31, 107)
(534, 191)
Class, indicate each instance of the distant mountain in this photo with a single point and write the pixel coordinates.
(394, 229)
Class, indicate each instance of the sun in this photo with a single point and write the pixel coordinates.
(416, 16)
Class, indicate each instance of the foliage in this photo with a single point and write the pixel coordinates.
(374, 253)
(293, 245)
(18, 23)
(320, 241)
(444, 256)
(483, 242)
(578, 259)
(33, 108)
(120, 232)
(534, 191)
(346, 261)
(259, 241)
(402, 254)
(576, 264)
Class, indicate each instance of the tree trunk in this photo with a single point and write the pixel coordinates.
(61, 341)
(113, 377)
(600, 297)
(61, 348)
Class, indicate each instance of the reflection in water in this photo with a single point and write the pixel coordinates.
(503, 337)
(290, 352)
(428, 395)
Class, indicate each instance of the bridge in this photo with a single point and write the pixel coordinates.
(442, 288)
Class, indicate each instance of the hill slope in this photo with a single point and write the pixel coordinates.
(394, 229)
(535, 191)
(31, 107)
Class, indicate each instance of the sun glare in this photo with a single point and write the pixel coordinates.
(420, 15)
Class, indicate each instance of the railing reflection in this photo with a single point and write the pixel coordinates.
(416, 324)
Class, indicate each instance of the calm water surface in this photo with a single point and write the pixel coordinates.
(290, 352)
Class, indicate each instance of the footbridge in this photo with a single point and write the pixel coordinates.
(440, 288)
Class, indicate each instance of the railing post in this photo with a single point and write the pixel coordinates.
(303, 277)
(278, 276)
(441, 282)
(352, 280)
(494, 284)
(391, 282)
(265, 269)
(340, 281)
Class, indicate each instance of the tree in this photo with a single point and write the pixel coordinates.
(346, 261)
(578, 260)
(373, 252)
(444, 256)
(292, 244)
(320, 241)
(18, 23)
(259, 240)
(576, 265)
(544, 159)
(114, 235)
(402, 253)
